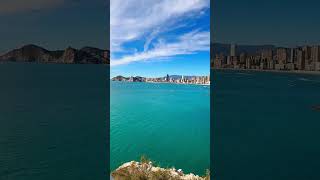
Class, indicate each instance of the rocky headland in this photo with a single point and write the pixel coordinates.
(36, 54)
(146, 170)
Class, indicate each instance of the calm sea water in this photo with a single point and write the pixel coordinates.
(169, 123)
(53, 122)
(264, 126)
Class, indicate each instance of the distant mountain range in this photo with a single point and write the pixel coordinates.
(217, 48)
(36, 54)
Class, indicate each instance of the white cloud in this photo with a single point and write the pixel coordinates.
(151, 37)
(188, 43)
(147, 19)
(13, 6)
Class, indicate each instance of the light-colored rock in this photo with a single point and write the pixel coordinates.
(134, 169)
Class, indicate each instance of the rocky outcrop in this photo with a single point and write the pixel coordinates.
(120, 78)
(145, 170)
(69, 55)
(131, 79)
(37, 54)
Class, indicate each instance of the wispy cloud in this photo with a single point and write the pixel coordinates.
(189, 43)
(133, 20)
(14, 6)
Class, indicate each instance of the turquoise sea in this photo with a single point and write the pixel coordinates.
(169, 123)
(265, 126)
(53, 122)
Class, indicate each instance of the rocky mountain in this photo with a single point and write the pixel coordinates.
(119, 78)
(134, 79)
(37, 54)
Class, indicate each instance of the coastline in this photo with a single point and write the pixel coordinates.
(147, 170)
(270, 71)
(166, 83)
(177, 83)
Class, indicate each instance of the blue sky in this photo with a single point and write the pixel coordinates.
(278, 22)
(159, 37)
(54, 24)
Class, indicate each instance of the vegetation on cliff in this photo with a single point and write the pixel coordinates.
(146, 170)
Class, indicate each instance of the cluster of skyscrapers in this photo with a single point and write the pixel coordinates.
(182, 79)
(306, 58)
(167, 79)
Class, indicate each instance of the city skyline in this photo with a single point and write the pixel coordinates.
(267, 57)
(161, 76)
(177, 79)
(160, 38)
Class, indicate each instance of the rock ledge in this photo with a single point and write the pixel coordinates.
(145, 170)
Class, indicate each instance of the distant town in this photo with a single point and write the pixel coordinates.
(178, 79)
(268, 57)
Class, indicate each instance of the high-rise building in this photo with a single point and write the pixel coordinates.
(267, 58)
(243, 57)
(233, 50)
(307, 53)
(282, 55)
(271, 64)
(315, 54)
(263, 64)
(229, 60)
(219, 61)
(300, 59)
(266, 54)
(249, 63)
(234, 60)
(292, 55)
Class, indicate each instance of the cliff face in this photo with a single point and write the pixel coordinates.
(33, 53)
(145, 170)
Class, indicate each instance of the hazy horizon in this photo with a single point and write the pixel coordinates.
(54, 24)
